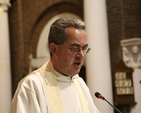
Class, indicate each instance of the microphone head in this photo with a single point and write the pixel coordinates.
(98, 95)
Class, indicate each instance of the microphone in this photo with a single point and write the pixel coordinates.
(98, 95)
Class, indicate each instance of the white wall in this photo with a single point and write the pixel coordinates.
(5, 71)
(137, 90)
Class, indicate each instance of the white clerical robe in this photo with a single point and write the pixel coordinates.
(31, 97)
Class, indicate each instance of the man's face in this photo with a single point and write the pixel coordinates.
(69, 62)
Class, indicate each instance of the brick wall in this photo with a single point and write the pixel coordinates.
(124, 22)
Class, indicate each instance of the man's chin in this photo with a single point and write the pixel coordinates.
(75, 73)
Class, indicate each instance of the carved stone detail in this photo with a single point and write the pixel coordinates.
(131, 49)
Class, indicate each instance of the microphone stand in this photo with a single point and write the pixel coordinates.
(112, 105)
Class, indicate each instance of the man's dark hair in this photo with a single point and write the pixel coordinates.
(57, 32)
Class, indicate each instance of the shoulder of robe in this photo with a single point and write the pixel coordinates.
(31, 81)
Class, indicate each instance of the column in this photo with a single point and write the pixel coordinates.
(131, 50)
(5, 72)
(98, 69)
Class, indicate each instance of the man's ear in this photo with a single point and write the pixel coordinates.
(53, 48)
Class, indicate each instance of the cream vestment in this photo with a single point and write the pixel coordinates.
(47, 91)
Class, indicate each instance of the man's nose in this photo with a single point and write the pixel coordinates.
(81, 53)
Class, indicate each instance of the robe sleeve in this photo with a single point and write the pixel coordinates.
(29, 96)
(24, 101)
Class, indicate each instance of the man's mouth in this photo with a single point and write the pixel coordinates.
(77, 63)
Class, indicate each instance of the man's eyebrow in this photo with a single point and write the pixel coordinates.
(85, 45)
(78, 45)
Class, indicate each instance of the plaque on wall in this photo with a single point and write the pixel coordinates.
(123, 88)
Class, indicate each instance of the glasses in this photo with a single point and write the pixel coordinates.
(77, 48)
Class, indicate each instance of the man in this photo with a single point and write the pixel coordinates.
(56, 86)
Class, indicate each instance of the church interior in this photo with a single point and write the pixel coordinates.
(114, 30)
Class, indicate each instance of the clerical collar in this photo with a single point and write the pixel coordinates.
(63, 78)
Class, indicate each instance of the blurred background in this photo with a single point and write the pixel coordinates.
(113, 67)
